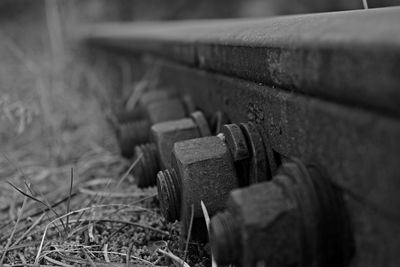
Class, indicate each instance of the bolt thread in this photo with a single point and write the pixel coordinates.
(146, 171)
(169, 193)
(225, 238)
(132, 134)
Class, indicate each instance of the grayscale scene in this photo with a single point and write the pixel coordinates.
(200, 133)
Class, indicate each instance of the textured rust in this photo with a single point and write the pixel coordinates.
(131, 134)
(298, 218)
(340, 56)
(236, 141)
(147, 167)
(165, 134)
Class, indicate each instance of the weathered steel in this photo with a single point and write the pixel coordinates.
(166, 134)
(297, 219)
(130, 134)
(359, 149)
(147, 166)
(137, 132)
(352, 57)
(207, 170)
(163, 136)
(332, 98)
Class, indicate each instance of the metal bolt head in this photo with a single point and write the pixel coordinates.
(296, 219)
(165, 110)
(207, 173)
(236, 141)
(165, 134)
(131, 134)
(268, 226)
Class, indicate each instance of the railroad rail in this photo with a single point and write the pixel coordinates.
(323, 88)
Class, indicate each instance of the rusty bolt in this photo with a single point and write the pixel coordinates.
(146, 167)
(137, 132)
(205, 172)
(130, 134)
(169, 184)
(283, 222)
(164, 135)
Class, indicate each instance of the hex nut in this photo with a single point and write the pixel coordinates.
(165, 110)
(236, 141)
(131, 134)
(165, 134)
(207, 173)
(266, 213)
(296, 219)
(146, 167)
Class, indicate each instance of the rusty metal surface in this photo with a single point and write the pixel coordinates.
(350, 57)
(165, 134)
(323, 88)
(360, 150)
(296, 219)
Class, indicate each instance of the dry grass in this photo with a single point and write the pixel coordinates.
(66, 196)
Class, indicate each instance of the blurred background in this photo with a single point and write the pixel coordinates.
(53, 99)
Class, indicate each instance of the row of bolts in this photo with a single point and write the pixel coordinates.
(260, 213)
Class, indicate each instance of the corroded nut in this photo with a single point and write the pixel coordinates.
(236, 141)
(260, 223)
(147, 165)
(165, 110)
(207, 173)
(165, 134)
(201, 122)
(297, 219)
(131, 134)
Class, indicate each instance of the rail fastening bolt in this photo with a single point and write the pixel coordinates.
(296, 219)
(164, 135)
